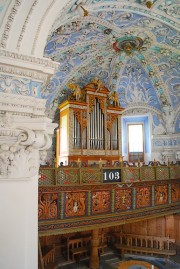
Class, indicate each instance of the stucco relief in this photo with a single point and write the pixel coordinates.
(25, 135)
(19, 158)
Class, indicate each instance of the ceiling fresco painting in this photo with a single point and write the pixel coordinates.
(133, 49)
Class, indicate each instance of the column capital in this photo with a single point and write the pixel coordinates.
(25, 134)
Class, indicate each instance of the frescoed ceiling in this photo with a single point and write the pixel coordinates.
(131, 48)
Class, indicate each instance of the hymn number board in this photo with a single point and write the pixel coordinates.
(111, 175)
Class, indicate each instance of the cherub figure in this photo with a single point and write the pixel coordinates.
(77, 92)
(114, 97)
(98, 84)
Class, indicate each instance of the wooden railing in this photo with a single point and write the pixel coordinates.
(144, 244)
(67, 175)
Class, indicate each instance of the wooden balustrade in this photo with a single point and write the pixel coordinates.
(144, 244)
(68, 175)
(48, 255)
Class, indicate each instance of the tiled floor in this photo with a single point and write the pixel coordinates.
(111, 261)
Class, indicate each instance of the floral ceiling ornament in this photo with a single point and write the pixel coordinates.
(128, 44)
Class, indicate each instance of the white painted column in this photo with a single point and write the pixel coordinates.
(19, 223)
(25, 135)
(23, 141)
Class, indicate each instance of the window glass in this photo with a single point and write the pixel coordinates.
(135, 133)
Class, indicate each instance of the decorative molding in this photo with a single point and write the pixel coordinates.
(9, 23)
(15, 63)
(19, 156)
(25, 135)
(139, 108)
(25, 23)
(136, 8)
(22, 105)
(40, 24)
(166, 147)
(21, 72)
(27, 58)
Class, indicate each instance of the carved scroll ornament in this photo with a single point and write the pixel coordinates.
(19, 151)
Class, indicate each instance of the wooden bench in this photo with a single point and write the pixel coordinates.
(101, 247)
(48, 254)
(78, 246)
(143, 250)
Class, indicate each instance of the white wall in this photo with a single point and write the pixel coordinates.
(19, 224)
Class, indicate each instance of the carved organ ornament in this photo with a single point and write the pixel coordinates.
(93, 123)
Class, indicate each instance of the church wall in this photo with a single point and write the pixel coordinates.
(163, 226)
(177, 228)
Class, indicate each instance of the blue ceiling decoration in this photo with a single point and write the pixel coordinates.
(136, 87)
(83, 45)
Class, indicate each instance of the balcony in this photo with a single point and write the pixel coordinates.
(78, 198)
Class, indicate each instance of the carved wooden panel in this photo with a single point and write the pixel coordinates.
(81, 116)
(101, 202)
(101, 102)
(48, 206)
(123, 199)
(110, 120)
(175, 192)
(143, 197)
(161, 194)
(91, 102)
(75, 204)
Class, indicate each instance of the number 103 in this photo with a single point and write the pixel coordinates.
(111, 176)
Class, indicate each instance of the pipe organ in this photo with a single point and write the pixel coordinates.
(90, 125)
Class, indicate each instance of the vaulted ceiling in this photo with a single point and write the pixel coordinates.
(132, 48)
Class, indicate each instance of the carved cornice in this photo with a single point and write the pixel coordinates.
(22, 105)
(14, 71)
(26, 66)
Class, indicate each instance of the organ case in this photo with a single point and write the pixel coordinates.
(90, 125)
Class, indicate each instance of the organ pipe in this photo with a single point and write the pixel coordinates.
(96, 127)
(77, 133)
